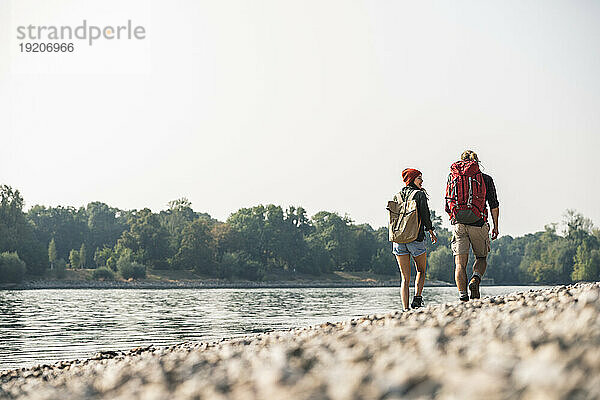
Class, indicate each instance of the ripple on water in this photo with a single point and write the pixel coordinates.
(46, 326)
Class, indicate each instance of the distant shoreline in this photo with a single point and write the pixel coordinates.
(40, 285)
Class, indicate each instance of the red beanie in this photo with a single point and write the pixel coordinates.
(409, 175)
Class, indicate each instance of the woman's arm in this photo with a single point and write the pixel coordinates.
(425, 216)
(424, 213)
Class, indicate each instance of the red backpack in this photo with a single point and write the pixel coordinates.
(465, 193)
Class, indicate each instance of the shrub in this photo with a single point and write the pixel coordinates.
(12, 268)
(103, 274)
(131, 269)
(34, 255)
(60, 267)
(240, 264)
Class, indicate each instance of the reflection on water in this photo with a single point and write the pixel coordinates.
(45, 326)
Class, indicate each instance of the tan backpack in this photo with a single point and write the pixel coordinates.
(404, 219)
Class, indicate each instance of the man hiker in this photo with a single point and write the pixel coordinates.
(467, 192)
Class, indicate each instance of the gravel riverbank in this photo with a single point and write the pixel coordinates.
(543, 344)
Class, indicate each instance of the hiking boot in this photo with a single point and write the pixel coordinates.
(417, 302)
(474, 287)
(464, 297)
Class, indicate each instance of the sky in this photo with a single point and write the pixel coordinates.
(319, 104)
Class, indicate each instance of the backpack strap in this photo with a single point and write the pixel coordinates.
(412, 194)
(406, 199)
(470, 199)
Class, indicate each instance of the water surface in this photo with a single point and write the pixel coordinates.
(45, 326)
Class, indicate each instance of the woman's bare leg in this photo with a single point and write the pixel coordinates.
(404, 264)
(421, 262)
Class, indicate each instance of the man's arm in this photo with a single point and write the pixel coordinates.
(492, 198)
(495, 213)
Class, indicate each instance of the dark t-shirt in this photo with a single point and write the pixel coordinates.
(490, 196)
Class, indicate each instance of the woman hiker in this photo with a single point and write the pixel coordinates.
(414, 182)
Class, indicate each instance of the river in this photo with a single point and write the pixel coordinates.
(45, 326)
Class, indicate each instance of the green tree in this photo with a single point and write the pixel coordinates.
(12, 268)
(17, 235)
(66, 224)
(576, 225)
(505, 257)
(334, 234)
(383, 262)
(587, 261)
(74, 259)
(147, 239)
(249, 225)
(52, 255)
(104, 225)
(82, 256)
(547, 259)
(176, 218)
(224, 238)
(316, 259)
(284, 235)
(197, 249)
(269, 235)
(101, 256)
(441, 265)
(366, 247)
(299, 219)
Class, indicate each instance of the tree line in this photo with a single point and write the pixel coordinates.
(264, 242)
